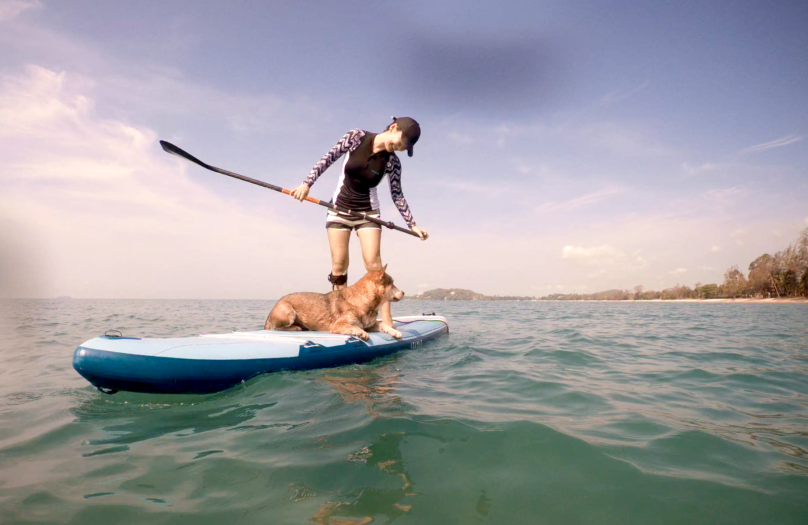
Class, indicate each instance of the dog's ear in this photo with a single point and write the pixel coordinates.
(379, 274)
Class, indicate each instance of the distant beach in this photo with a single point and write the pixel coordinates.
(770, 300)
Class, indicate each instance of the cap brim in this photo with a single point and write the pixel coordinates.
(409, 150)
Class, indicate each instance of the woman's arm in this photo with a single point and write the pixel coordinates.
(393, 172)
(349, 142)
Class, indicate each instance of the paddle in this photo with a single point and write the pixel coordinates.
(174, 150)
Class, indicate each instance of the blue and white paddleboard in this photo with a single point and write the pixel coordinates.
(215, 362)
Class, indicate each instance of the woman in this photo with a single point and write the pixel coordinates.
(370, 156)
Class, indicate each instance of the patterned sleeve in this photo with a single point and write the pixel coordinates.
(393, 172)
(349, 142)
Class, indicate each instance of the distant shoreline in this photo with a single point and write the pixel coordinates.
(775, 300)
(782, 300)
(461, 294)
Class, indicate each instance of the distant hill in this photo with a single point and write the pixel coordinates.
(460, 294)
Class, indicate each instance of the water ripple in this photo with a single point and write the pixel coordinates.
(669, 413)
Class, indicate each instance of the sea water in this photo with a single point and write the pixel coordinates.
(558, 413)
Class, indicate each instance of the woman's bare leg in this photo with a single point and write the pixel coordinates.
(371, 240)
(338, 240)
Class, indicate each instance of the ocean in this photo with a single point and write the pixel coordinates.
(527, 412)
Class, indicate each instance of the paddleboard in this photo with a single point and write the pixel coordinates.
(214, 362)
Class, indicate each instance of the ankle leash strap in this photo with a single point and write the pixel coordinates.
(338, 279)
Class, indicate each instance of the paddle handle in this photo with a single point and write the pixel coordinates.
(310, 199)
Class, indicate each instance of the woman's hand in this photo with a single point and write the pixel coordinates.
(301, 192)
(421, 233)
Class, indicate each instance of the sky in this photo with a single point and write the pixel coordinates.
(566, 146)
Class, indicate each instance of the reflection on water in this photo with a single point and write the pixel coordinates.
(364, 504)
(375, 393)
(127, 422)
(366, 388)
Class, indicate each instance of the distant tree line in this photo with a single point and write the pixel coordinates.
(784, 274)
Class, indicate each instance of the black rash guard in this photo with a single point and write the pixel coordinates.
(362, 172)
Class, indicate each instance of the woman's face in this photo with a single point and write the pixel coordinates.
(395, 140)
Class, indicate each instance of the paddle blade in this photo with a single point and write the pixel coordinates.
(174, 150)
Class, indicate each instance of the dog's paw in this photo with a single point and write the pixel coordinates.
(389, 330)
(357, 332)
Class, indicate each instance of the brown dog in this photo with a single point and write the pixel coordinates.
(349, 311)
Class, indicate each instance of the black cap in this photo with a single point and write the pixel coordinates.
(410, 130)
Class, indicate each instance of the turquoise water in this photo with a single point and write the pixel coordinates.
(556, 413)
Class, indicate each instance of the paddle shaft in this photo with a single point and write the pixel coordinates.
(174, 150)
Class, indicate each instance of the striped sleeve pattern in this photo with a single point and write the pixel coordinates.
(393, 172)
(349, 142)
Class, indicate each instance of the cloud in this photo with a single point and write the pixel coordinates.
(467, 186)
(619, 138)
(579, 202)
(528, 167)
(170, 94)
(461, 139)
(782, 141)
(153, 91)
(603, 256)
(738, 232)
(777, 232)
(595, 255)
(679, 271)
(619, 95)
(723, 196)
(715, 249)
(696, 170)
(806, 221)
(623, 139)
(102, 204)
(12, 8)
